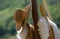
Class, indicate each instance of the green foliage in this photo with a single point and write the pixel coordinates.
(4, 4)
(6, 15)
(55, 9)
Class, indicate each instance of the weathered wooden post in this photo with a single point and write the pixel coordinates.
(35, 18)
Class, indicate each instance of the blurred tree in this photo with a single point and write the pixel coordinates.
(51, 2)
(4, 4)
(2, 31)
(58, 13)
(26, 2)
(8, 21)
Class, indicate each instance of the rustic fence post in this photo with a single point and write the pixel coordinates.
(35, 18)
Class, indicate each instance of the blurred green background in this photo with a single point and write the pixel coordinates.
(7, 9)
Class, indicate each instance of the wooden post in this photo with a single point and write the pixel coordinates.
(35, 18)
